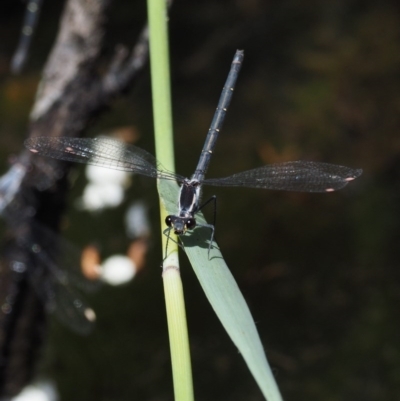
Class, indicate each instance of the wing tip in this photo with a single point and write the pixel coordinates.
(355, 174)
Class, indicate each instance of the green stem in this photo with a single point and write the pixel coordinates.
(178, 335)
(173, 291)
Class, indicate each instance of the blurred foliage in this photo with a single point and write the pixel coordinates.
(320, 81)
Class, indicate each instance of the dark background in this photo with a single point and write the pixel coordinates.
(320, 272)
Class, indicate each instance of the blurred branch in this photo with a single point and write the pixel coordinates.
(123, 68)
(28, 29)
(71, 94)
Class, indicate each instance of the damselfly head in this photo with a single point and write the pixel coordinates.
(180, 224)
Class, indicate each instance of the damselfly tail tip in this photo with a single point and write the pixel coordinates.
(239, 55)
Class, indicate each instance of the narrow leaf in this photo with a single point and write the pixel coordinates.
(224, 296)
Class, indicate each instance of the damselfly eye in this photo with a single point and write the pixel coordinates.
(168, 221)
(190, 224)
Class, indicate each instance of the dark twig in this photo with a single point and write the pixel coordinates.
(28, 29)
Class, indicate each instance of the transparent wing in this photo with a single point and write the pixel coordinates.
(302, 176)
(64, 258)
(60, 298)
(102, 152)
(52, 265)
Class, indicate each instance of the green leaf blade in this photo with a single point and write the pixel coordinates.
(224, 296)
